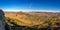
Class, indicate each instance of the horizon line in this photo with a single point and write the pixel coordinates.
(30, 11)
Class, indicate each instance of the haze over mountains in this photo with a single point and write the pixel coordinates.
(30, 11)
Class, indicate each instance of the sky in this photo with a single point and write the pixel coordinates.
(30, 5)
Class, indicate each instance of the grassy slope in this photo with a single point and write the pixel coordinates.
(34, 19)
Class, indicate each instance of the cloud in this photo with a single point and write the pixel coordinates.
(30, 6)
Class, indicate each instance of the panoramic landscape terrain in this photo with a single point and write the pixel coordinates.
(33, 20)
(30, 14)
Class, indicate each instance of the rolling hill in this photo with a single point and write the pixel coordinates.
(39, 19)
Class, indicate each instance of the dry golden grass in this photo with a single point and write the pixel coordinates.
(31, 19)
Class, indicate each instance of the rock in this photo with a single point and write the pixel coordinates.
(2, 20)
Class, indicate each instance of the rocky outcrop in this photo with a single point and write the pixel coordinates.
(2, 20)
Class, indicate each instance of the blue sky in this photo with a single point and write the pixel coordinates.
(30, 5)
